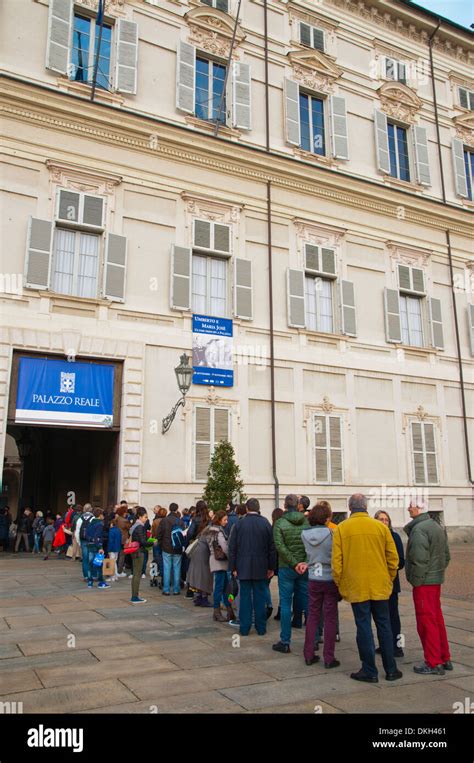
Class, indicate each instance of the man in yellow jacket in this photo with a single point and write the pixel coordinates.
(364, 566)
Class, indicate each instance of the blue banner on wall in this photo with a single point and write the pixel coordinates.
(57, 392)
(212, 351)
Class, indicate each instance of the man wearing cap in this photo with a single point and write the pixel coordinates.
(427, 557)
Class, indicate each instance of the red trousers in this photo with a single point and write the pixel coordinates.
(430, 624)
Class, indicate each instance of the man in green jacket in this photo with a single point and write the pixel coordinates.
(291, 553)
(427, 557)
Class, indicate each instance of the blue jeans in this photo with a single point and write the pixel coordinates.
(268, 594)
(85, 560)
(363, 613)
(158, 560)
(291, 584)
(92, 570)
(252, 597)
(171, 561)
(220, 584)
(37, 543)
(145, 561)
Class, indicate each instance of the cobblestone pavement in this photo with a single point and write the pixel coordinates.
(66, 648)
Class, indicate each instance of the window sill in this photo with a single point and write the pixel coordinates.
(206, 126)
(323, 335)
(56, 297)
(327, 161)
(81, 88)
(468, 203)
(410, 185)
(412, 350)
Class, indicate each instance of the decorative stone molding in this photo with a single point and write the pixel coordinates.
(297, 14)
(209, 209)
(68, 175)
(84, 89)
(112, 7)
(465, 128)
(314, 70)
(407, 255)
(324, 407)
(309, 233)
(212, 30)
(211, 399)
(207, 126)
(399, 101)
(419, 415)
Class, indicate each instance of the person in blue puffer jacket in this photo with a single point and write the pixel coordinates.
(94, 544)
(115, 545)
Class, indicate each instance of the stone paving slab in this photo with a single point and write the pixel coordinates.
(174, 634)
(71, 657)
(200, 702)
(71, 697)
(301, 708)
(458, 636)
(400, 699)
(130, 664)
(463, 682)
(18, 680)
(22, 611)
(44, 633)
(32, 648)
(48, 619)
(9, 650)
(110, 626)
(4, 625)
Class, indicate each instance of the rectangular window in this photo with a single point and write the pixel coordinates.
(424, 453)
(328, 449)
(76, 263)
(469, 167)
(395, 70)
(312, 124)
(318, 302)
(466, 98)
(211, 425)
(411, 320)
(221, 5)
(85, 47)
(398, 150)
(210, 97)
(209, 287)
(311, 36)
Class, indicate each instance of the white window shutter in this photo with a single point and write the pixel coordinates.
(464, 97)
(404, 277)
(296, 300)
(381, 142)
(93, 211)
(422, 161)
(312, 257)
(328, 261)
(126, 57)
(348, 310)
(402, 73)
(68, 206)
(393, 326)
(418, 280)
(430, 453)
(305, 34)
(202, 442)
(335, 449)
(321, 448)
(60, 22)
(115, 267)
(292, 112)
(390, 68)
(222, 239)
(459, 168)
(38, 253)
(181, 274)
(202, 234)
(418, 453)
(436, 323)
(241, 96)
(243, 289)
(470, 318)
(221, 425)
(340, 142)
(318, 39)
(185, 77)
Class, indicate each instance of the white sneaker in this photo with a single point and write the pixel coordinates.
(143, 577)
(130, 576)
(121, 574)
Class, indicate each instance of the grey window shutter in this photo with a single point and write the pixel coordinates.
(181, 272)
(470, 318)
(69, 205)
(402, 73)
(292, 112)
(390, 68)
(202, 443)
(93, 211)
(340, 142)
(422, 161)
(404, 277)
(418, 453)
(115, 267)
(463, 98)
(381, 142)
(185, 77)
(312, 257)
(222, 238)
(222, 5)
(459, 168)
(471, 101)
(59, 35)
(348, 308)
(430, 454)
(318, 39)
(126, 57)
(393, 327)
(241, 96)
(436, 322)
(305, 34)
(221, 425)
(243, 289)
(202, 234)
(38, 253)
(335, 448)
(296, 306)
(418, 280)
(328, 261)
(321, 448)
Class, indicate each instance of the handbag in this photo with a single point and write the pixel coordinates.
(132, 547)
(98, 560)
(69, 552)
(219, 553)
(108, 567)
(189, 551)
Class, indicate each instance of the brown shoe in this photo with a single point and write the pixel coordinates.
(218, 616)
(230, 614)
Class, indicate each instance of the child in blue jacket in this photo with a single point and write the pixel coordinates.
(115, 546)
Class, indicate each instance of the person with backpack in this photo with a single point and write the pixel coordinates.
(94, 531)
(219, 563)
(114, 546)
(48, 537)
(81, 526)
(38, 527)
(124, 526)
(138, 535)
(171, 540)
(76, 545)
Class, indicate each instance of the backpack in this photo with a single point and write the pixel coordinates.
(177, 538)
(83, 531)
(91, 532)
(219, 553)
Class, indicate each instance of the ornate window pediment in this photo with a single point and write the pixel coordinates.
(399, 101)
(314, 69)
(465, 128)
(212, 30)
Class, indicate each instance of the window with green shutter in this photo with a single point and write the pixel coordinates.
(328, 450)
(211, 426)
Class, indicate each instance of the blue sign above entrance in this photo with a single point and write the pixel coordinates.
(58, 392)
(212, 351)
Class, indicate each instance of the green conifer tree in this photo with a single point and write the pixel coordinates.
(223, 478)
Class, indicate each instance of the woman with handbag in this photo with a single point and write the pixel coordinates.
(199, 576)
(138, 536)
(219, 563)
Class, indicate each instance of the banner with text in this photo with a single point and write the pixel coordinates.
(212, 351)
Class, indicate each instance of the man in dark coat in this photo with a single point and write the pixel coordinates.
(252, 558)
(171, 556)
(427, 557)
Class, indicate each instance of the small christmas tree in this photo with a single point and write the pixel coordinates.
(223, 478)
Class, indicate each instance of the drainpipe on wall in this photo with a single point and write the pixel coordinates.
(450, 260)
(270, 265)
